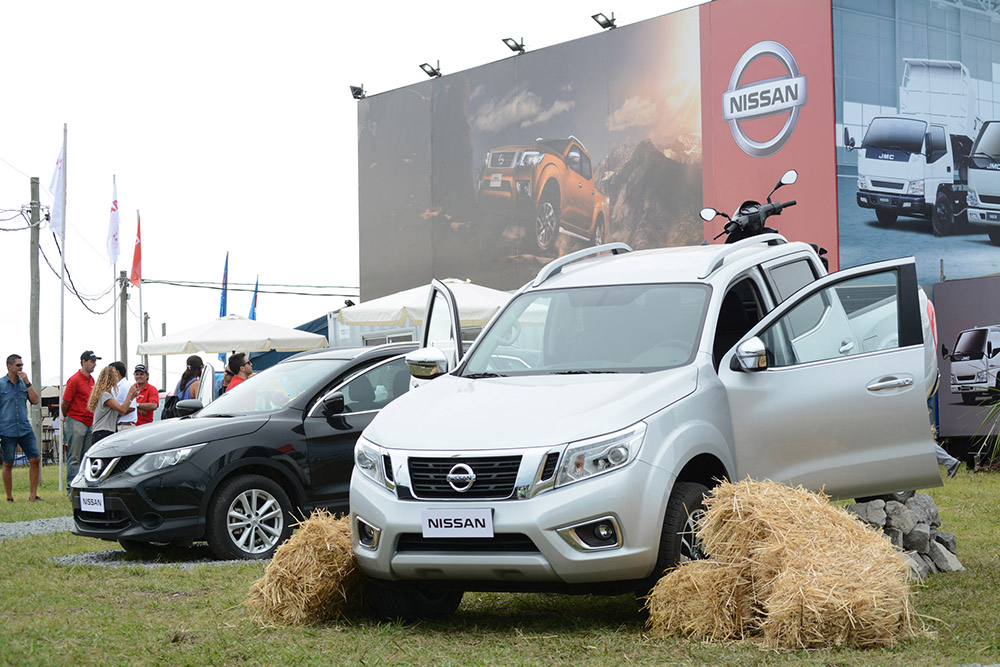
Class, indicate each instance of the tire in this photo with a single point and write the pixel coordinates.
(994, 233)
(249, 517)
(547, 219)
(943, 215)
(598, 237)
(969, 399)
(885, 217)
(899, 497)
(677, 541)
(412, 603)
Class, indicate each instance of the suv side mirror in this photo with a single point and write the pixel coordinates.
(427, 363)
(848, 140)
(188, 406)
(750, 357)
(333, 404)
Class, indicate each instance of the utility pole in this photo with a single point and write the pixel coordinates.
(36, 353)
(123, 322)
(145, 335)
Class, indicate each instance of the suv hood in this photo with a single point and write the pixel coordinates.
(174, 433)
(452, 412)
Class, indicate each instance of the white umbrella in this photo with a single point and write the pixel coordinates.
(476, 305)
(233, 333)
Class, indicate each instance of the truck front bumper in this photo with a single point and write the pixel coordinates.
(896, 203)
(984, 216)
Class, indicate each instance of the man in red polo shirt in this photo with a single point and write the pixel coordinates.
(148, 397)
(77, 419)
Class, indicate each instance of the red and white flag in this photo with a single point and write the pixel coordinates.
(136, 276)
(57, 217)
(113, 224)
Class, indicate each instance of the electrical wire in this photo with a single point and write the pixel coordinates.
(353, 292)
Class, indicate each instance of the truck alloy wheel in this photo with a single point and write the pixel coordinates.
(943, 216)
(547, 221)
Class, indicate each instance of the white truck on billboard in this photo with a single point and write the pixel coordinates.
(917, 163)
(975, 363)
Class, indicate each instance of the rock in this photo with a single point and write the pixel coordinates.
(944, 559)
(925, 508)
(895, 536)
(948, 540)
(918, 539)
(870, 512)
(899, 516)
(918, 568)
(929, 562)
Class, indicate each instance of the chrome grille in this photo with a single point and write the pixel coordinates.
(502, 159)
(495, 476)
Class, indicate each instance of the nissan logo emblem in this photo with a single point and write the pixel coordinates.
(95, 467)
(461, 478)
(767, 97)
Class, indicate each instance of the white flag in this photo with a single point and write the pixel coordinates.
(113, 224)
(57, 216)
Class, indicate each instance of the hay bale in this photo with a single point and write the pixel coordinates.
(312, 578)
(802, 573)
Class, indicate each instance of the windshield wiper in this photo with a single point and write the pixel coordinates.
(890, 147)
(486, 374)
(218, 414)
(583, 372)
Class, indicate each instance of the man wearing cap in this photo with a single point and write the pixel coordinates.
(15, 427)
(148, 398)
(77, 419)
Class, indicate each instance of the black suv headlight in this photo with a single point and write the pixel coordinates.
(159, 460)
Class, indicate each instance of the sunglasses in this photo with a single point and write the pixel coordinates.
(18, 365)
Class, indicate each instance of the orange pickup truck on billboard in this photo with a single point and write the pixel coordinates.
(550, 180)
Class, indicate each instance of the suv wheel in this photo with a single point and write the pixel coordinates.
(412, 603)
(547, 219)
(249, 518)
(679, 539)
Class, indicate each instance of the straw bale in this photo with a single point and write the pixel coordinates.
(800, 571)
(312, 577)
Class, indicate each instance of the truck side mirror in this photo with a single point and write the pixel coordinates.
(427, 363)
(944, 351)
(989, 349)
(848, 140)
(750, 357)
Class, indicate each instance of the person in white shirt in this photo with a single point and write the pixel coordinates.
(128, 419)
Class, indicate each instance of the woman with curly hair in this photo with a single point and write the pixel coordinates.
(102, 403)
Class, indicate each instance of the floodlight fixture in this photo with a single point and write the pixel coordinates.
(358, 92)
(514, 45)
(604, 21)
(430, 70)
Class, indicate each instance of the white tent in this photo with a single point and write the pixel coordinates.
(476, 305)
(233, 333)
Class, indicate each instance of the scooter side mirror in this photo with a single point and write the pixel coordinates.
(708, 214)
(789, 177)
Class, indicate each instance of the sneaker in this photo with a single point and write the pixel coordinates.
(953, 468)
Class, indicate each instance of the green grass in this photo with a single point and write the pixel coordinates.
(52, 614)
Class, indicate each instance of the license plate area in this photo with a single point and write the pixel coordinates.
(91, 501)
(496, 180)
(465, 522)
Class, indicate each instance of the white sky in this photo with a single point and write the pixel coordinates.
(231, 127)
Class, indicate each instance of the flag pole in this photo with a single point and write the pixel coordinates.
(62, 309)
(142, 313)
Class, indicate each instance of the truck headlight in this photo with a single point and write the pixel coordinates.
(954, 380)
(972, 198)
(368, 460)
(159, 460)
(863, 183)
(530, 158)
(915, 188)
(588, 458)
(982, 376)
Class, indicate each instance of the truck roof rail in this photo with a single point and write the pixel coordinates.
(729, 248)
(556, 265)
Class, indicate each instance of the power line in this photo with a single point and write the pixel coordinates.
(218, 288)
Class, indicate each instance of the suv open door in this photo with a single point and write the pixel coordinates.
(838, 354)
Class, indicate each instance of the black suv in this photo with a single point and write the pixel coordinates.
(238, 472)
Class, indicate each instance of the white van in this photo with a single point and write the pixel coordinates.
(975, 362)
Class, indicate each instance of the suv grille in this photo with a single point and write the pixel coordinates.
(507, 542)
(550, 465)
(502, 159)
(495, 477)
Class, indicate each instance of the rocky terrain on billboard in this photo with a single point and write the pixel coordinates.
(655, 199)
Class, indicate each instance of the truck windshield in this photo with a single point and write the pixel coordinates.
(970, 344)
(606, 329)
(988, 144)
(901, 134)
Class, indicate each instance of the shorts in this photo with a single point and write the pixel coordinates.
(9, 443)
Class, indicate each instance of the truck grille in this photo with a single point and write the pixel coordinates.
(990, 199)
(506, 542)
(888, 185)
(503, 159)
(495, 477)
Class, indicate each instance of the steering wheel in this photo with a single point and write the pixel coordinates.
(508, 337)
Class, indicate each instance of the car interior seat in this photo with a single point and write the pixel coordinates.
(359, 395)
(400, 382)
(733, 323)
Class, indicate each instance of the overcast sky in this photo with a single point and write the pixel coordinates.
(231, 127)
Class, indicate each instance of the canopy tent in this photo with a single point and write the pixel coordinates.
(233, 333)
(476, 305)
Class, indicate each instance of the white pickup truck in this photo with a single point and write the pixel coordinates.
(570, 448)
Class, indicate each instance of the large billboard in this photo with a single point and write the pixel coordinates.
(625, 135)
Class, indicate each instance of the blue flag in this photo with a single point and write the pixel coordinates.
(253, 304)
(222, 299)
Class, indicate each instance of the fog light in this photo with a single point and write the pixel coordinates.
(595, 534)
(603, 531)
(367, 534)
(151, 520)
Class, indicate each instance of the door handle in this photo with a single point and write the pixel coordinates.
(891, 384)
(846, 346)
(580, 185)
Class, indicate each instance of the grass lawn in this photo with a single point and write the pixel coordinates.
(52, 614)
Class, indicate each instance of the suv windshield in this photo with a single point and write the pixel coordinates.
(901, 134)
(607, 329)
(274, 388)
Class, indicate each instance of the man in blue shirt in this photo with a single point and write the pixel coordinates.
(15, 427)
